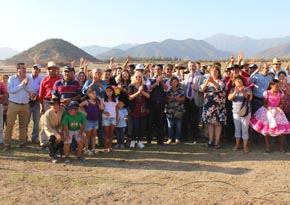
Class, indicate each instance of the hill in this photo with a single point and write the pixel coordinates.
(282, 51)
(96, 50)
(184, 49)
(6, 52)
(58, 50)
(249, 45)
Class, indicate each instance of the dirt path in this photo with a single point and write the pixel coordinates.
(177, 174)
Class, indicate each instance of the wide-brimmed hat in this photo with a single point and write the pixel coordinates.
(276, 61)
(51, 64)
(54, 100)
(73, 104)
(235, 66)
(244, 63)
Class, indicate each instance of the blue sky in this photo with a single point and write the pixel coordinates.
(112, 22)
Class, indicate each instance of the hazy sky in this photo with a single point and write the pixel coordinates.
(25, 23)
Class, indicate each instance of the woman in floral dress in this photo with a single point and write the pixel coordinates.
(214, 111)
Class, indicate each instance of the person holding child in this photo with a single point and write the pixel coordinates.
(92, 107)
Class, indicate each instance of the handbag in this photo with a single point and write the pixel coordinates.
(244, 111)
(178, 114)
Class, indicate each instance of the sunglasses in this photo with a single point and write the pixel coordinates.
(73, 109)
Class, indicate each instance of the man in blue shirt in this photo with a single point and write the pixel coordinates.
(35, 80)
(20, 90)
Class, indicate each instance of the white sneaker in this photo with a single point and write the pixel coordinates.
(140, 145)
(132, 144)
(89, 153)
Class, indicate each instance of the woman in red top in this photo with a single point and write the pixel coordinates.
(138, 110)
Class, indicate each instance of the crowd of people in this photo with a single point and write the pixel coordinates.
(144, 103)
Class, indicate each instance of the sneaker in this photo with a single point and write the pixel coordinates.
(81, 158)
(67, 161)
(94, 151)
(89, 153)
(169, 141)
(140, 145)
(6, 148)
(177, 141)
(53, 160)
(122, 146)
(22, 146)
(218, 146)
(117, 146)
(210, 144)
(132, 144)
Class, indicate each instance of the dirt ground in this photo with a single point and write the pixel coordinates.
(172, 174)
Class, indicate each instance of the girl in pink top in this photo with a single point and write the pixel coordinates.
(270, 118)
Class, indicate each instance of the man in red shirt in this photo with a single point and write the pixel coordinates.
(46, 86)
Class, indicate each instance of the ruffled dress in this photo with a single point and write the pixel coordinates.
(270, 122)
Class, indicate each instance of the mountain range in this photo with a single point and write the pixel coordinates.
(219, 46)
(249, 45)
(184, 49)
(6, 52)
(96, 50)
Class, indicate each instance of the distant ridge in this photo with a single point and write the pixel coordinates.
(58, 50)
(282, 51)
(249, 45)
(183, 49)
(6, 52)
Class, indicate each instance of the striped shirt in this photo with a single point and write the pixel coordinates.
(66, 89)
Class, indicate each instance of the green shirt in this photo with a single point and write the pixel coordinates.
(73, 122)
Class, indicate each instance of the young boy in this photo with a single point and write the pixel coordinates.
(74, 123)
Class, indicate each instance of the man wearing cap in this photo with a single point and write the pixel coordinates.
(52, 129)
(34, 110)
(46, 86)
(20, 90)
(157, 101)
(67, 89)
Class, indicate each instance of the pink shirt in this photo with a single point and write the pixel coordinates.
(273, 100)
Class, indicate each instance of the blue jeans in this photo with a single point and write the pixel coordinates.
(174, 124)
(34, 111)
(120, 131)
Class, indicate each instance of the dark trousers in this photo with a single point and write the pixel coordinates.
(138, 124)
(229, 129)
(55, 147)
(256, 104)
(190, 121)
(156, 122)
